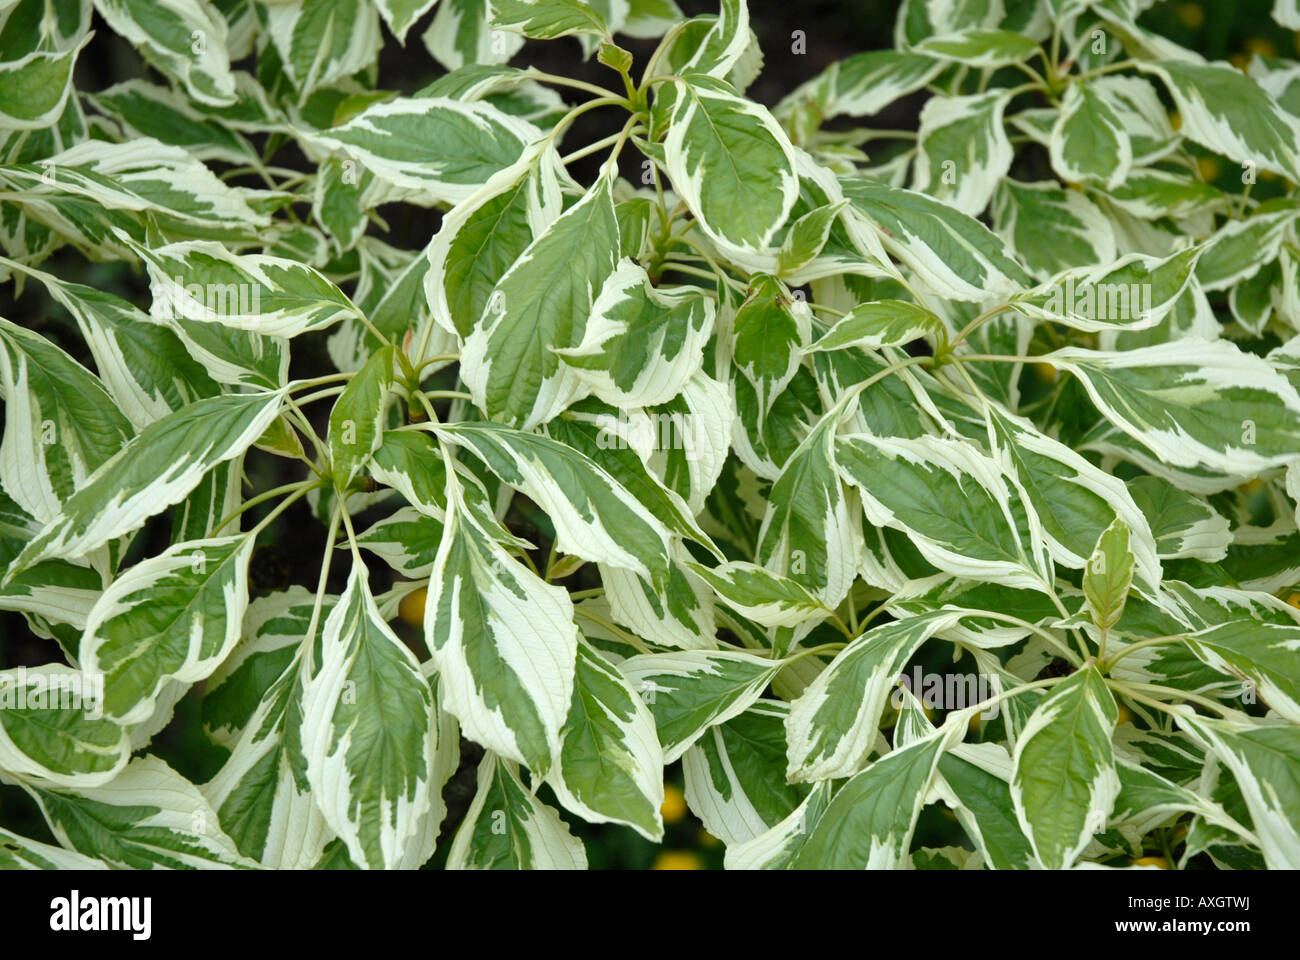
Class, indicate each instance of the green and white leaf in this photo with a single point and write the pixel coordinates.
(34, 89)
(1049, 228)
(595, 516)
(1193, 403)
(832, 727)
(369, 736)
(1089, 141)
(810, 527)
(1227, 112)
(1064, 785)
(165, 34)
(146, 817)
(731, 163)
(735, 775)
(767, 598)
(320, 41)
(52, 727)
(204, 282)
(962, 150)
(1135, 292)
(641, 345)
(503, 642)
(610, 765)
(541, 303)
(60, 423)
(882, 323)
(176, 616)
(979, 47)
(692, 690)
(952, 254)
(432, 149)
(961, 510)
(869, 823)
(508, 828)
(129, 487)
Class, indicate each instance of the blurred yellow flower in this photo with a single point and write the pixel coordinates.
(411, 608)
(1160, 862)
(1261, 45)
(1191, 14)
(678, 860)
(1209, 168)
(674, 805)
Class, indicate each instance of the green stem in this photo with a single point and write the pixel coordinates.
(279, 508)
(300, 487)
(534, 74)
(626, 637)
(815, 651)
(320, 395)
(1109, 68)
(988, 314)
(309, 638)
(1108, 665)
(993, 358)
(1135, 690)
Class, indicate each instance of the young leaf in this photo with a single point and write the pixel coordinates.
(1109, 576)
(357, 420)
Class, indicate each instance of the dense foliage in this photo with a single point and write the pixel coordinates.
(862, 471)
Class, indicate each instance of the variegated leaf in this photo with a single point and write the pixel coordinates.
(369, 735)
(1064, 785)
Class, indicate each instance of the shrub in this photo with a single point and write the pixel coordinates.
(861, 470)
